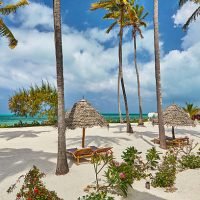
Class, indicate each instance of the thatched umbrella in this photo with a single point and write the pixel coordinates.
(83, 115)
(176, 116)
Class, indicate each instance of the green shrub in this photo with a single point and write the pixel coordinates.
(130, 155)
(33, 188)
(190, 161)
(96, 196)
(119, 176)
(152, 157)
(166, 175)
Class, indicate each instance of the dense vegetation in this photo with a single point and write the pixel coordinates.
(37, 100)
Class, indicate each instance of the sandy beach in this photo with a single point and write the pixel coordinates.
(21, 148)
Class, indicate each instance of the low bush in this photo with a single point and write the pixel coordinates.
(190, 161)
(33, 188)
(152, 157)
(96, 196)
(119, 177)
(166, 175)
(130, 155)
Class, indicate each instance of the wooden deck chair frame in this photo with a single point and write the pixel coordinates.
(81, 153)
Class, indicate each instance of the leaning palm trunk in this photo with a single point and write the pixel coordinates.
(158, 78)
(129, 128)
(118, 98)
(62, 166)
(140, 123)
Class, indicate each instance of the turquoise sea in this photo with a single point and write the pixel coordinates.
(10, 119)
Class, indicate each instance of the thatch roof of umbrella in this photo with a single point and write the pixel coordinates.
(83, 115)
(176, 116)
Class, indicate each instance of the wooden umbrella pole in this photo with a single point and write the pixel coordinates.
(173, 134)
(83, 138)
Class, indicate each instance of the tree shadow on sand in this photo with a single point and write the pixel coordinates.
(137, 195)
(23, 133)
(13, 161)
(95, 140)
(185, 132)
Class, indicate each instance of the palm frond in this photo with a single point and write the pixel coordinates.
(111, 15)
(111, 27)
(11, 8)
(182, 2)
(193, 17)
(5, 32)
(101, 4)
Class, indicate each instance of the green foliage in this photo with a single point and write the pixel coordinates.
(6, 10)
(191, 109)
(33, 188)
(97, 160)
(21, 124)
(166, 175)
(130, 155)
(190, 161)
(96, 196)
(134, 120)
(119, 176)
(40, 100)
(152, 157)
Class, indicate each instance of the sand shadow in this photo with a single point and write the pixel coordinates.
(95, 140)
(13, 161)
(185, 132)
(15, 134)
(137, 195)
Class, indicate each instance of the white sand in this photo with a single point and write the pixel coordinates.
(21, 148)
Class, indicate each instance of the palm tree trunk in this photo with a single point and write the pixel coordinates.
(62, 166)
(140, 123)
(129, 128)
(158, 78)
(118, 98)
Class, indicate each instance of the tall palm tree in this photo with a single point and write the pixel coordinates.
(135, 18)
(158, 78)
(62, 166)
(194, 15)
(116, 11)
(112, 7)
(6, 10)
(191, 109)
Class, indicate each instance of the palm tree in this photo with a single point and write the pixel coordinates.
(4, 30)
(62, 166)
(158, 78)
(113, 9)
(191, 109)
(194, 15)
(135, 19)
(116, 10)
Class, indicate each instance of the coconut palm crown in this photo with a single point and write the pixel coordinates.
(191, 109)
(194, 15)
(6, 10)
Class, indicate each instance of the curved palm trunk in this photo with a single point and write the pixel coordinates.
(158, 78)
(118, 98)
(62, 166)
(129, 128)
(140, 123)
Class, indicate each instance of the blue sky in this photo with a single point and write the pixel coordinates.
(90, 56)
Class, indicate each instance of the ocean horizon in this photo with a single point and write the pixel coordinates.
(11, 119)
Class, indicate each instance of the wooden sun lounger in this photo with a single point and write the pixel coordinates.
(80, 153)
(178, 142)
(87, 152)
(103, 150)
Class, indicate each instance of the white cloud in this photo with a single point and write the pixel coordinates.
(90, 66)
